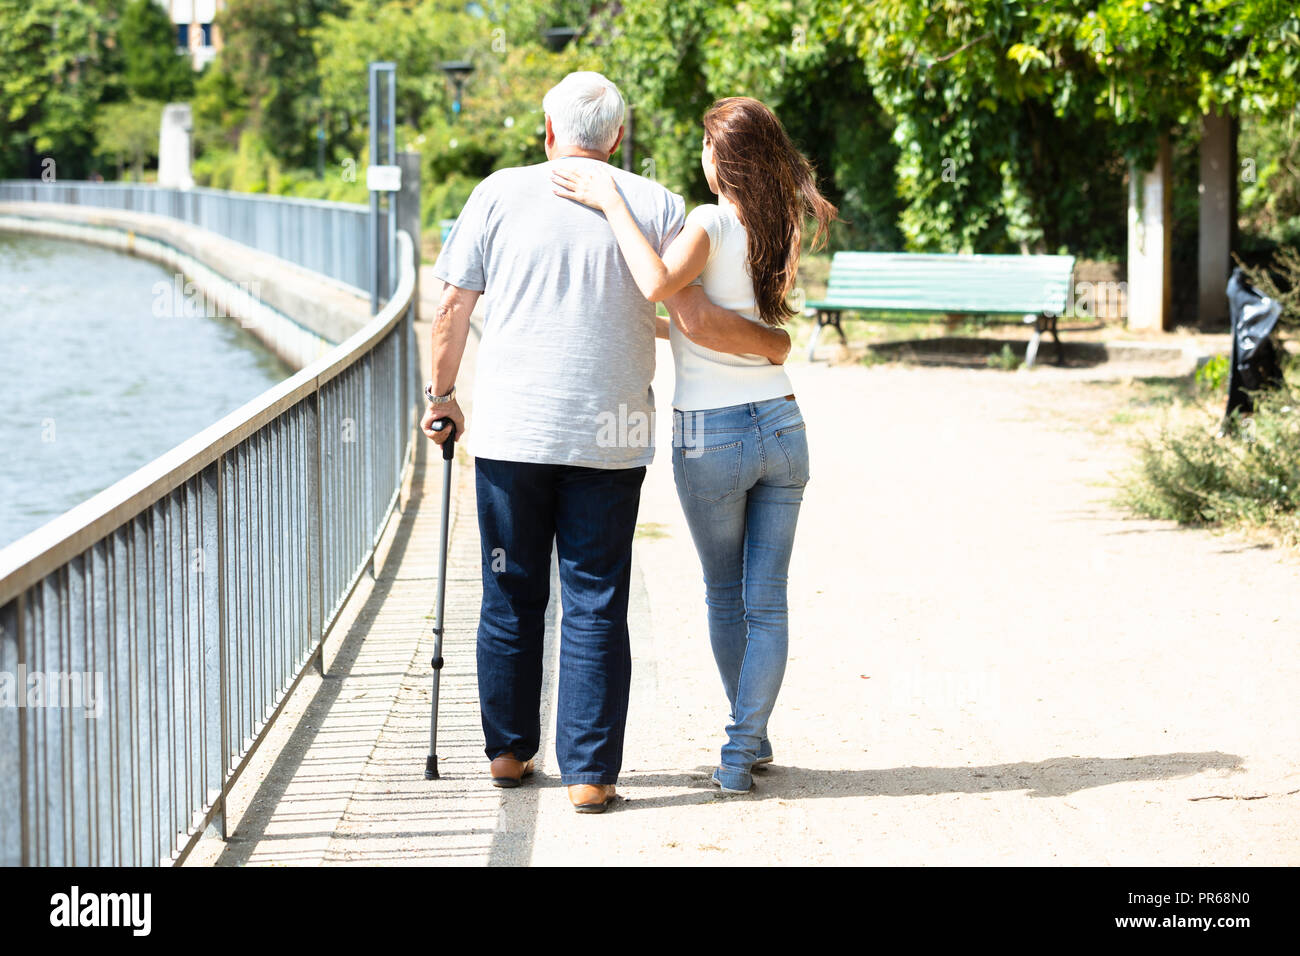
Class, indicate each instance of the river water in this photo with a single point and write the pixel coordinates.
(100, 373)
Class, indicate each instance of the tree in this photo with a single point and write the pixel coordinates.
(416, 38)
(269, 72)
(987, 161)
(152, 67)
(52, 76)
(128, 132)
(673, 61)
(984, 89)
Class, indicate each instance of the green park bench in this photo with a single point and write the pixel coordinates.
(1036, 287)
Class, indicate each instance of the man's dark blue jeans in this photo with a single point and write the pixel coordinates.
(590, 514)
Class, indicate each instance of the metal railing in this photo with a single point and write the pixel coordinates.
(331, 238)
(194, 594)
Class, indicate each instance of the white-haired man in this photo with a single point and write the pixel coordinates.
(562, 434)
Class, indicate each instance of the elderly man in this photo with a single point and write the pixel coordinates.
(562, 431)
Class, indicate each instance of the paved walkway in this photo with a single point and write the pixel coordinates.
(989, 665)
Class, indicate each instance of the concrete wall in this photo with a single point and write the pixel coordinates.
(298, 314)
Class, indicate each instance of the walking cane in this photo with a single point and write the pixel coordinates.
(448, 452)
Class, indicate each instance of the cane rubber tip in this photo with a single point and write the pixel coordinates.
(431, 767)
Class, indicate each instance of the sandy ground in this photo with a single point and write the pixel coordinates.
(990, 665)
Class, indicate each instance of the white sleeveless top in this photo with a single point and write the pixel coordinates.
(709, 379)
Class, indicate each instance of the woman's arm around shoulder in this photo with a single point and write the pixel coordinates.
(657, 278)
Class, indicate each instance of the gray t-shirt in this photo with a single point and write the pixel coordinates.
(568, 347)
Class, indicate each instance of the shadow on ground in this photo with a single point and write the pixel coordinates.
(243, 842)
(1055, 777)
(976, 352)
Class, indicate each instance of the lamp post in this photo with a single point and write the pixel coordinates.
(557, 38)
(458, 72)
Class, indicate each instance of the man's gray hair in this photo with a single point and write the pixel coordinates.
(586, 110)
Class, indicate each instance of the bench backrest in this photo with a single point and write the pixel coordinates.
(923, 282)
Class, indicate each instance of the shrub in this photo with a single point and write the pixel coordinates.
(1280, 281)
(1213, 375)
(1006, 360)
(1247, 473)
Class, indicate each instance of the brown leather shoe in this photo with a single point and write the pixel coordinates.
(507, 771)
(591, 797)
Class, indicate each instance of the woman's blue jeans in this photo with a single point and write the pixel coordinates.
(740, 474)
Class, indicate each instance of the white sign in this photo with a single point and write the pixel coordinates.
(384, 179)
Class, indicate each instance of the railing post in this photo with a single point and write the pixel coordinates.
(315, 523)
(24, 757)
(369, 452)
(13, 751)
(223, 661)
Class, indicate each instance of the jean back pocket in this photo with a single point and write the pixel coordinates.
(711, 474)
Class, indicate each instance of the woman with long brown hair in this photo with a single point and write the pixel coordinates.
(740, 449)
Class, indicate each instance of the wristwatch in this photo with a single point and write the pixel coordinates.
(437, 399)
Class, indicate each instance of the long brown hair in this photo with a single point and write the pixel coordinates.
(773, 188)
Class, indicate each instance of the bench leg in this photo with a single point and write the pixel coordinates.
(1031, 351)
(1043, 323)
(824, 319)
(817, 334)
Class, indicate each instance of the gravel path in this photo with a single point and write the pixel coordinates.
(989, 665)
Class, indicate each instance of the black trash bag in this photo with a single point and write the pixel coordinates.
(1254, 356)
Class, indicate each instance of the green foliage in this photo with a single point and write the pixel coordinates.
(1212, 376)
(1016, 121)
(1280, 280)
(673, 60)
(1268, 148)
(152, 68)
(219, 109)
(250, 168)
(128, 133)
(1165, 62)
(993, 158)
(1249, 475)
(51, 82)
(657, 57)
(501, 123)
(1007, 360)
(417, 38)
(444, 199)
(272, 82)
(946, 125)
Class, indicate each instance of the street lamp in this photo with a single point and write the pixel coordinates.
(458, 72)
(557, 38)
